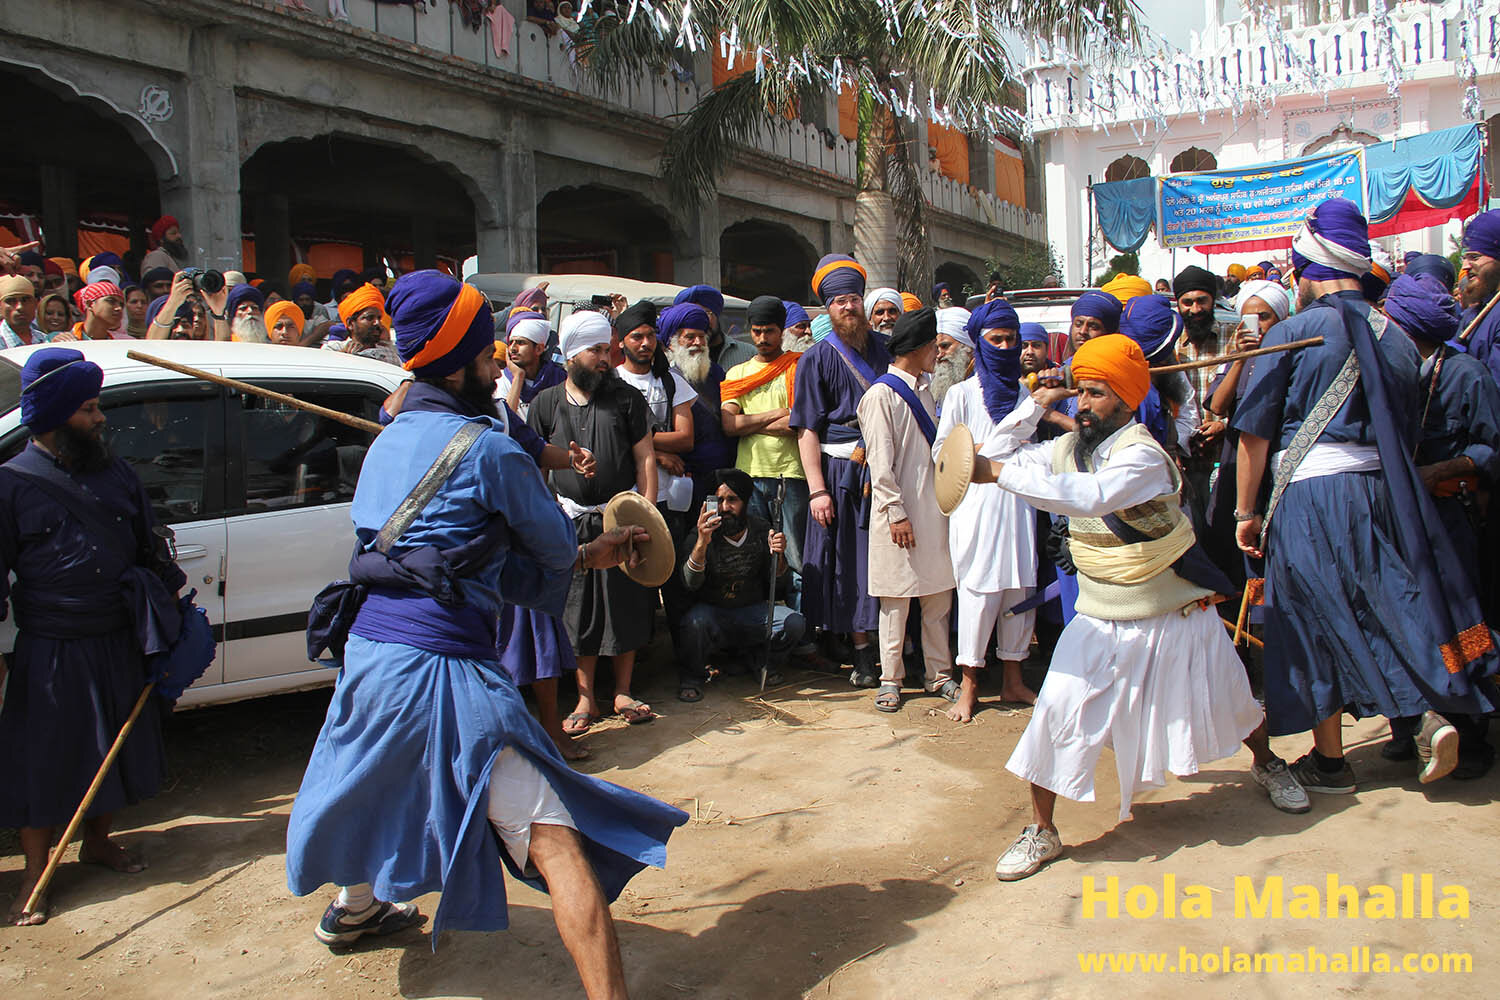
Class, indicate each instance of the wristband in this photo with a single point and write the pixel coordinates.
(819, 493)
(1242, 516)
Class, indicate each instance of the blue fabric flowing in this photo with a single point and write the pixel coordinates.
(1440, 166)
(1126, 211)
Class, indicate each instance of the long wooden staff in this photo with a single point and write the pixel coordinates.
(1463, 338)
(233, 383)
(1224, 359)
(88, 800)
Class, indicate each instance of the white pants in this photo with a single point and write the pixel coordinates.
(893, 612)
(983, 615)
(1167, 693)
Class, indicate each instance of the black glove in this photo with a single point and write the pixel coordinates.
(1056, 547)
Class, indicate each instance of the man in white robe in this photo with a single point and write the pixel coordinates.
(1146, 666)
(992, 533)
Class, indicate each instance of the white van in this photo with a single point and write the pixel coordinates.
(258, 493)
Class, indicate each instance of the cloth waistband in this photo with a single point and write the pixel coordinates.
(1326, 458)
(573, 510)
(844, 449)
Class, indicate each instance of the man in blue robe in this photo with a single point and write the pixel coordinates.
(831, 379)
(1458, 459)
(1482, 262)
(94, 595)
(1367, 607)
(429, 772)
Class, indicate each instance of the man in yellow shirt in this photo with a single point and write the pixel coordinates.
(756, 399)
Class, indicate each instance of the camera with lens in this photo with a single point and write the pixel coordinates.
(205, 279)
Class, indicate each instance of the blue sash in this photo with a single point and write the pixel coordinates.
(924, 421)
(863, 373)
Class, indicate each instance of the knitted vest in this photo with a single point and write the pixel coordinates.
(1129, 578)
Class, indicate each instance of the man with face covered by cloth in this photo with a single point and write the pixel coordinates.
(429, 771)
(831, 379)
(1145, 666)
(1368, 608)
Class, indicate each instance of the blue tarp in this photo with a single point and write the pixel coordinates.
(1126, 210)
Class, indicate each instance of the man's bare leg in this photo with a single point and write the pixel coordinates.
(1043, 802)
(1037, 845)
(36, 841)
(588, 702)
(967, 704)
(1259, 743)
(98, 849)
(1328, 736)
(583, 919)
(1012, 687)
(624, 664)
(546, 710)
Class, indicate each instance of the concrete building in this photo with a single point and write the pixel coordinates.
(406, 134)
(1105, 126)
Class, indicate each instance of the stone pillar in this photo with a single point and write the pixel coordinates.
(60, 211)
(205, 194)
(506, 238)
(273, 237)
(695, 259)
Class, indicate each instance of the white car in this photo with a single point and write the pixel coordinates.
(257, 492)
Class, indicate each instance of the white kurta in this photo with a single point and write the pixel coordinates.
(1167, 693)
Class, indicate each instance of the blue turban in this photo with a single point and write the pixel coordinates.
(682, 316)
(1423, 307)
(1101, 306)
(343, 275)
(1410, 256)
(1152, 322)
(157, 274)
(1036, 333)
(1266, 266)
(995, 314)
(1434, 266)
(707, 296)
(822, 327)
(794, 313)
(1482, 234)
(302, 288)
(336, 332)
(1334, 243)
(55, 382)
(32, 259)
(184, 311)
(240, 294)
(838, 274)
(440, 324)
(999, 371)
(938, 290)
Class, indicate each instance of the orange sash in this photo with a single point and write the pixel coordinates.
(733, 388)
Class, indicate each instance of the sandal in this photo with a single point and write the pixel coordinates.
(579, 723)
(888, 699)
(689, 693)
(636, 713)
(863, 680)
(949, 691)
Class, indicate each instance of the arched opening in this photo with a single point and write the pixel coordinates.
(336, 202)
(600, 230)
(72, 177)
(765, 258)
(1127, 168)
(1193, 158)
(961, 281)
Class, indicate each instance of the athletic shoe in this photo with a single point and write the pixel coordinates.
(1278, 782)
(338, 929)
(1032, 849)
(1306, 773)
(1437, 747)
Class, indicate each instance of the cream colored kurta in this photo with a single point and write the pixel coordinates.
(901, 488)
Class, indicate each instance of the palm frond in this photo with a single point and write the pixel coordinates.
(703, 143)
(904, 182)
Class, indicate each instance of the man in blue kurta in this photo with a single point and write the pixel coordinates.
(1482, 262)
(831, 379)
(94, 595)
(1368, 608)
(429, 772)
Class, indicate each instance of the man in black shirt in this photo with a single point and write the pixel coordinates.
(728, 572)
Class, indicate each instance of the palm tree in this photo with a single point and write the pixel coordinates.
(885, 48)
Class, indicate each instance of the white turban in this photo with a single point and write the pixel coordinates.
(1320, 250)
(535, 330)
(1269, 292)
(232, 278)
(106, 273)
(952, 322)
(580, 331)
(882, 295)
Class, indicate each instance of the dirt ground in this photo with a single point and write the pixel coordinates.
(833, 852)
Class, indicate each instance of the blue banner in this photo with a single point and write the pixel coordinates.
(1265, 202)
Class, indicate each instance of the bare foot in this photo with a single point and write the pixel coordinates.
(1019, 693)
(967, 704)
(19, 915)
(961, 710)
(110, 855)
(570, 750)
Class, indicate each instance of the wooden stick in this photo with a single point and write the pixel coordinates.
(88, 800)
(359, 423)
(1248, 637)
(1463, 338)
(1239, 624)
(1225, 359)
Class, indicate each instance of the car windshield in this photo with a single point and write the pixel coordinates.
(10, 385)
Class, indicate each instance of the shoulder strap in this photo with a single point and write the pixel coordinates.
(54, 483)
(421, 494)
(913, 402)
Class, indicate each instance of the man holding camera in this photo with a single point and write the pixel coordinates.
(729, 574)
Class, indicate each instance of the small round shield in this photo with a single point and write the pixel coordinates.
(658, 555)
(955, 468)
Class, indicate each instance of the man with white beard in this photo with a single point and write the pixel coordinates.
(245, 309)
(883, 307)
(797, 334)
(688, 351)
(955, 352)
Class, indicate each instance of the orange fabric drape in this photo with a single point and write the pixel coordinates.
(1010, 177)
(952, 151)
(92, 241)
(327, 258)
(784, 366)
(849, 114)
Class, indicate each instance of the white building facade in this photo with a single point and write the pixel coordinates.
(1231, 101)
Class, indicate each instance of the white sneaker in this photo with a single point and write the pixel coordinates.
(1277, 780)
(1032, 849)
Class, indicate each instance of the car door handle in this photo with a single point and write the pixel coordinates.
(191, 552)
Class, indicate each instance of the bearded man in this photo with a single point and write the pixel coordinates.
(883, 306)
(796, 336)
(1481, 261)
(362, 311)
(955, 352)
(167, 247)
(528, 370)
(245, 311)
(1036, 344)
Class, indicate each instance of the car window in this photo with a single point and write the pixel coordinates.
(293, 458)
(168, 439)
(10, 385)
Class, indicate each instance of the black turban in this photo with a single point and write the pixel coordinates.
(738, 482)
(1194, 279)
(642, 313)
(767, 310)
(913, 330)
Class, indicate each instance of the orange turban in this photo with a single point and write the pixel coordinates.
(277, 311)
(359, 300)
(65, 264)
(300, 273)
(1117, 361)
(1126, 287)
(1255, 273)
(909, 302)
